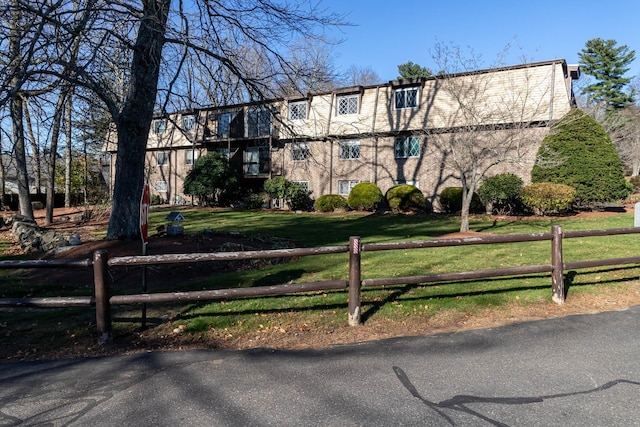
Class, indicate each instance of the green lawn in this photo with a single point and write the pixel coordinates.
(328, 309)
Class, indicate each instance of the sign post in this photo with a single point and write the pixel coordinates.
(145, 202)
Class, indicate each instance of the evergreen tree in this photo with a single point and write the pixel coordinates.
(211, 179)
(607, 63)
(579, 153)
(409, 70)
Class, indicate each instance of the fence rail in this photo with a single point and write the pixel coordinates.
(102, 300)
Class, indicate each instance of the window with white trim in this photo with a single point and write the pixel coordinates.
(188, 122)
(349, 150)
(408, 182)
(299, 151)
(348, 104)
(407, 146)
(161, 186)
(162, 158)
(159, 126)
(406, 98)
(304, 184)
(344, 187)
(190, 156)
(298, 110)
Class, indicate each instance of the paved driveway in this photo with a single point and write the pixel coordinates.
(576, 371)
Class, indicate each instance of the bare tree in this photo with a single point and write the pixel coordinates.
(489, 118)
(356, 76)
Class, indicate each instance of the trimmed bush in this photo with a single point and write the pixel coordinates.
(502, 192)
(405, 198)
(294, 193)
(547, 198)
(451, 201)
(330, 203)
(579, 153)
(365, 196)
(253, 201)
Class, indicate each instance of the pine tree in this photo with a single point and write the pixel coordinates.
(579, 153)
(607, 63)
(409, 70)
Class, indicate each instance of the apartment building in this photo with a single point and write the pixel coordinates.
(423, 131)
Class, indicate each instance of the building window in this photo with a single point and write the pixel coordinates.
(407, 146)
(162, 158)
(258, 122)
(408, 182)
(347, 105)
(303, 184)
(344, 187)
(159, 126)
(350, 150)
(161, 186)
(298, 110)
(224, 124)
(188, 122)
(190, 157)
(299, 151)
(257, 159)
(406, 98)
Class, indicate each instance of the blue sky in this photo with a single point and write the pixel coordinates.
(388, 33)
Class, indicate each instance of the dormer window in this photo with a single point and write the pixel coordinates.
(298, 110)
(348, 104)
(159, 126)
(188, 122)
(406, 98)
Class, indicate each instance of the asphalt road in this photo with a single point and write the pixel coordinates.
(576, 371)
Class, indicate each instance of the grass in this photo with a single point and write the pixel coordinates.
(328, 309)
(310, 230)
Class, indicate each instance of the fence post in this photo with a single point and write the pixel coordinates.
(355, 281)
(557, 275)
(101, 289)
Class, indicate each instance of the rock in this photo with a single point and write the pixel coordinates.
(23, 226)
(37, 205)
(81, 216)
(75, 240)
(33, 240)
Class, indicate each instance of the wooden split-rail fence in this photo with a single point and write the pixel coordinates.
(102, 299)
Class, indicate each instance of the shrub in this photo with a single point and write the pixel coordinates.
(451, 201)
(294, 193)
(253, 201)
(405, 198)
(365, 196)
(330, 203)
(502, 192)
(579, 153)
(298, 197)
(212, 180)
(546, 197)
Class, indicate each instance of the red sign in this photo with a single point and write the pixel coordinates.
(145, 202)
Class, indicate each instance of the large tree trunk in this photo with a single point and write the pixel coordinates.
(15, 111)
(24, 196)
(135, 120)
